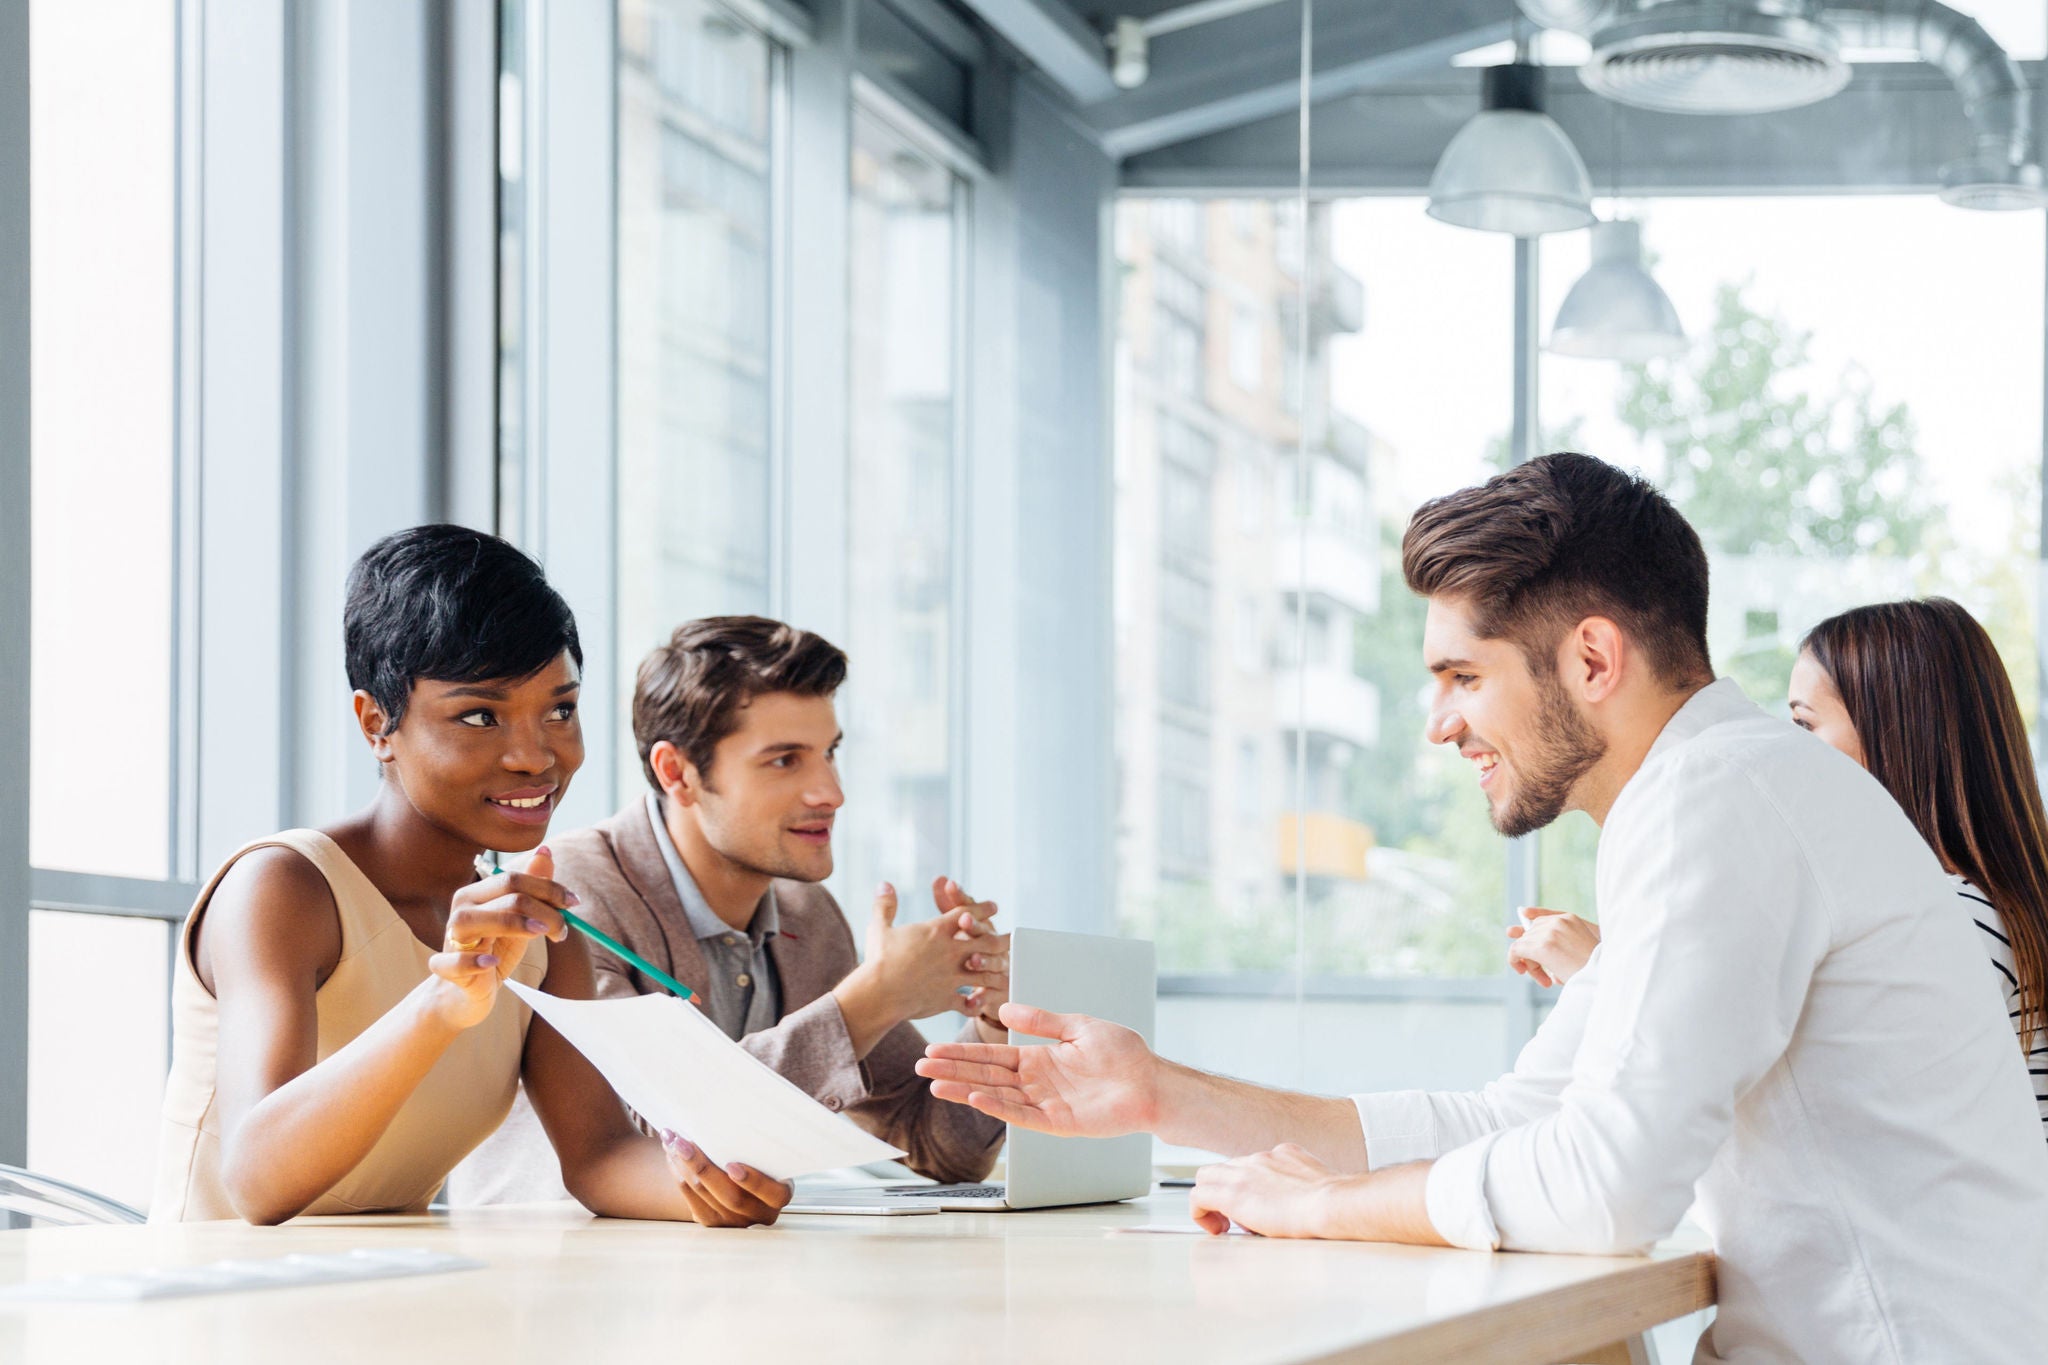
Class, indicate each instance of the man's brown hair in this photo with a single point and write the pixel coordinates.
(691, 690)
(1543, 546)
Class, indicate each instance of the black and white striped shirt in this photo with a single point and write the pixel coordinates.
(1989, 920)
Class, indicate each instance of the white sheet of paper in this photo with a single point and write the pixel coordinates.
(680, 1072)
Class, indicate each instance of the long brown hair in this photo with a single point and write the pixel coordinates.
(1941, 729)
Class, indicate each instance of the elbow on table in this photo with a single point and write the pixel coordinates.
(1628, 1220)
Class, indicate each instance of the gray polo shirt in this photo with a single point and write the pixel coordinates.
(743, 995)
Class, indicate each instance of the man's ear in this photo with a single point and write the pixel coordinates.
(678, 776)
(1597, 659)
(375, 724)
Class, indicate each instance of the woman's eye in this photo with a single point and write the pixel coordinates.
(477, 720)
(1463, 679)
(1804, 725)
(565, 711)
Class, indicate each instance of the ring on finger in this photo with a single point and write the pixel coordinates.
(465, 945)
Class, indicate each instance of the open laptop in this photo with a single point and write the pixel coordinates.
(1110, 978)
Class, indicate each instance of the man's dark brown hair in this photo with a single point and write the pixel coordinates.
(691, 690)
(1538, 549)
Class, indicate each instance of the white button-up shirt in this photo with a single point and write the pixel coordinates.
(1789, 1020)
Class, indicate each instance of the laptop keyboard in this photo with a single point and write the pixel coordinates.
(954, 1191)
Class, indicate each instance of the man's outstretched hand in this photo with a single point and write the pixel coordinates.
(1095, 1079)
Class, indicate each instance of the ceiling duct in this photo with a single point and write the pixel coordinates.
(1756, 56)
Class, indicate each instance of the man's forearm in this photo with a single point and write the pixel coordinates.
(1390, 1205)
(1236, 1118)
(868, 1009)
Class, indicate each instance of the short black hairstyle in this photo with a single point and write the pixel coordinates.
(449, 604)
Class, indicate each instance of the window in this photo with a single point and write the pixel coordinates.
(105, 699)
(1399, 872)
(1247, 350)
(906, 265)
(696, 207)
(1833, 445)
(102, 441)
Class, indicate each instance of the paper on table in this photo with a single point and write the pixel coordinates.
(680, 1072)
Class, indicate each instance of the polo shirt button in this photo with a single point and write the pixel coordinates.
(746, 980)
(832, 1102)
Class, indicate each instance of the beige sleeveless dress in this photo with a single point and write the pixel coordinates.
(459, 1103)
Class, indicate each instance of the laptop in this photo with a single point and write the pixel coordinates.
(1110, 978)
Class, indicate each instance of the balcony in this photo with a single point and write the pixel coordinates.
(1330, 845)
(1327, 562)
(1330, 701)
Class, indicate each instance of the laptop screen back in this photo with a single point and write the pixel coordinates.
(1110, 978)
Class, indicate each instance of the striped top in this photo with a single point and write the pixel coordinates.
(2000, 948)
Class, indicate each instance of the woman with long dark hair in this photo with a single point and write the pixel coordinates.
(1916, 693)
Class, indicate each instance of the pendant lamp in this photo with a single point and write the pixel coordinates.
(1512, 169)
(1616, 311)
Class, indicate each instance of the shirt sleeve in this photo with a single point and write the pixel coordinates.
(1415, 1125)
(1712, 928)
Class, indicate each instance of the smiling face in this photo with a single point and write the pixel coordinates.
(1527, 740)
(487, 762)
(770, 799)
(1817, 706)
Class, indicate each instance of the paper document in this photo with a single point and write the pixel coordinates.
(680, 1072)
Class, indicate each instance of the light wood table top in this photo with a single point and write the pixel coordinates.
(1058, 1286)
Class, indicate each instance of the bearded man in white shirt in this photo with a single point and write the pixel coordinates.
(1787, 1023)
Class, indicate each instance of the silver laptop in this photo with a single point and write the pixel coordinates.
(1110, 978)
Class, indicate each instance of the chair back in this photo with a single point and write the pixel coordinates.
(48, 1200)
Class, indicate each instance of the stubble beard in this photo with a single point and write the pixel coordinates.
(1565, 749)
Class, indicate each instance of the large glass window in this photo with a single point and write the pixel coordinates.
(697, 129)
(103, 696)
(1857, 419)
(906, 267)
(102, 372)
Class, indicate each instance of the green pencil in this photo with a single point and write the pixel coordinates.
(583, 927)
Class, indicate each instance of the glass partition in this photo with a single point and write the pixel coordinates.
(902, 571)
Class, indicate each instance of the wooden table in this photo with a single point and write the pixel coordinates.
(1057, 1286)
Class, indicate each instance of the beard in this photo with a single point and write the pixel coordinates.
(1564, 749)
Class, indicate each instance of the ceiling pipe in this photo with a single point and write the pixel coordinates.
(1999, 171)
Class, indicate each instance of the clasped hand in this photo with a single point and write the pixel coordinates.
(955, 961)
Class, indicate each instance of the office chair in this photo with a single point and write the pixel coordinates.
(53, 1201)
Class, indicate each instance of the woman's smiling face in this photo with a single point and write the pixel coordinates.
(487, 762)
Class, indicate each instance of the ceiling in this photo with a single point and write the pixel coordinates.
(1218, 109)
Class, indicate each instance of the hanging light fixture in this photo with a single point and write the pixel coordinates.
(1512, 169)
(1616, 311)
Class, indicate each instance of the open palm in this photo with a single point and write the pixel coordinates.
(1094, 1079)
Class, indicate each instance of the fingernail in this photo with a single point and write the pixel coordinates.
(542, 852)
(487, 959)
(735, 1170)
(974, 963)
(685, 1148)
(536, 926)
(575, 899)
(885, 890)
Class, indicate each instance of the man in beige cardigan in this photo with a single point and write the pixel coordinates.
(713, 877)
